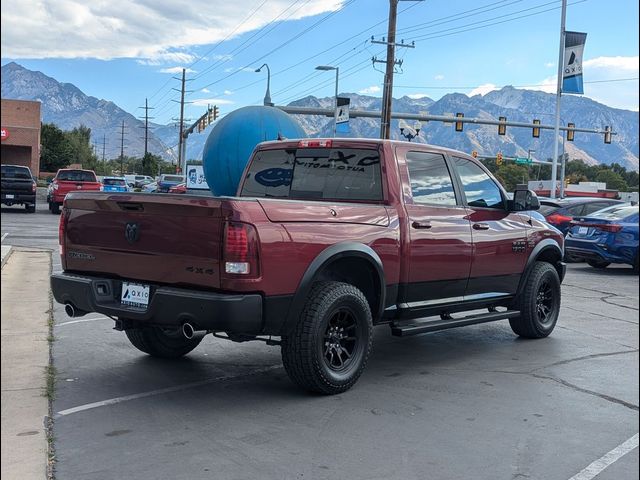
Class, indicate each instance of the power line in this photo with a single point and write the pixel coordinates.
(461, 87)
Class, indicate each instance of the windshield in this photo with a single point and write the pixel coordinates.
(118, 182)
(76, 176)
(615, 213)
(22, 173)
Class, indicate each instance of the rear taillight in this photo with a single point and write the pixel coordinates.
(315, 143)
(55, 185)
(240, 249)
(557, 219)
(34, 187)
(61, 231)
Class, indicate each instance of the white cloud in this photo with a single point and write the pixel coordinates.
(205, 90)
(550, 64)
(176, 70)
(167, 57)
(439, 77)
(369, 90)
(151, 30)
(416, 96)
(483, 89)
(211, 101)
(228, 92)
(597, 73)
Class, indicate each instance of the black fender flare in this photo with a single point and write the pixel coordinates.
(543, 246)
(324, 259)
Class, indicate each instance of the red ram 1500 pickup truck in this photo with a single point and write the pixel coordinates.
(325, 239)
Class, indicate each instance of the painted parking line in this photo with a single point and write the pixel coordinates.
(161, 391)
(82, 320)
(4, 235)
(595, 468)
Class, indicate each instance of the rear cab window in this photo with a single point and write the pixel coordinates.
(347, 174)
(430, 179)
(16, 172)
(118, 182)
(76, 176)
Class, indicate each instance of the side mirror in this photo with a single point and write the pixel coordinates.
(524, 200)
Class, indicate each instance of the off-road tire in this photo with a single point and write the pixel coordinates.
(598, 264)
(157, 343)
(306, 348)
(30, 208)
(541, 293)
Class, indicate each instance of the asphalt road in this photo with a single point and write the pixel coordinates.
(475, 402)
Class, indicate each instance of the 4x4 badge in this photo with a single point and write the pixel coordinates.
(132, 232)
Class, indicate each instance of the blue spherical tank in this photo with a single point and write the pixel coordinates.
(233, 139)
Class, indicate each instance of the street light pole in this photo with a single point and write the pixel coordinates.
(335, 104)
(267, 95)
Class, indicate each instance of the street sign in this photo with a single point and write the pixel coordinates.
(342, 111)
(523, 161)
(5, 134)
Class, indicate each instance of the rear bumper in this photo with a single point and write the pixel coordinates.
(168, 306)
(18, 197)
(597, 254)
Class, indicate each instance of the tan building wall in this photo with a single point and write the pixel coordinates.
(21, 125)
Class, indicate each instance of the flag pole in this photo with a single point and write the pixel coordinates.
(556, 132)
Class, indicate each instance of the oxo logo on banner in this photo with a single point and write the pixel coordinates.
(4, 134)
(572, 68)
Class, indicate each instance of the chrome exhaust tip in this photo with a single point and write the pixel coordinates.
(188, 331)
(69, 310)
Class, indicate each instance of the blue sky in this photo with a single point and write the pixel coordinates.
(126, 50)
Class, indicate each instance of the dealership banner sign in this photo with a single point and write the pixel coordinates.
(195, 178)
(572, 71)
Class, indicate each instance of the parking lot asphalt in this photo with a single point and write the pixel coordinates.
(475, 402)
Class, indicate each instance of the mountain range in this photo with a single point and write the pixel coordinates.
(68, 107)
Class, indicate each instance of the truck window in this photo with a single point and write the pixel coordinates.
(430, 179)
(479, 188)
(22, 173)
(315, 174)
(76, 176)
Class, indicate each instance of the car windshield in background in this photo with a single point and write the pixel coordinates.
(22, 173)
(76, 176)
(118, 182)
(546, 209)
(615, 213)
(173, 178)
(315, 173)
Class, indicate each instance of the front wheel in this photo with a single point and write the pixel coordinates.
(539, 303)
(329, 347)
(160, 342)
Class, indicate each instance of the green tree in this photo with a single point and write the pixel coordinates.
(150, 164)
(613, 180)
(56, 151)
(511, 175)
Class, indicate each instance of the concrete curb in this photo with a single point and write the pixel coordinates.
(6, 253)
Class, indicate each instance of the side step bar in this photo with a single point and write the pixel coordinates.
(443, 324)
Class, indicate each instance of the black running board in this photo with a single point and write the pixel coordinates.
(443, 324)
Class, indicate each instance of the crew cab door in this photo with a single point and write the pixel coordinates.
(439, 253)
(499, 237)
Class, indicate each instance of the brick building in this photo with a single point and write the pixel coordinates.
(21, 134)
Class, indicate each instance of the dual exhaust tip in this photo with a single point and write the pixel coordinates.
(188, 330)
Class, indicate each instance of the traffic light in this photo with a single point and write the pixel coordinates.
(607, 134)
(459, 125)
(474, 154)
(502, 128)
(499, 158)
(536, 130)
(210, 116)
(216, 112)
(570, 132)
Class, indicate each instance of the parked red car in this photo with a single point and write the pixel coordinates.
(325, 239)
(180, 188)
(70, 180)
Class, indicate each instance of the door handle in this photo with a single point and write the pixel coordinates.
(419, 225)
(481, 226)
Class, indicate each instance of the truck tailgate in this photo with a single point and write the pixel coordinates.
(167, 239)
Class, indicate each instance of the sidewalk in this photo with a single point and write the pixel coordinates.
(25, 356)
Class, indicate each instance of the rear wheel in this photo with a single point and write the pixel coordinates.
(30, 208)
(160, 342)
(636, 267)
(55, 208)
(539, 303)
(599, 264)
(328, 350)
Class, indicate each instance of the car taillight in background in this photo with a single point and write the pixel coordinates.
(241, 249)
(558, 219)
(34, 187)
(61, 231)
(54, 184)
(605, 227)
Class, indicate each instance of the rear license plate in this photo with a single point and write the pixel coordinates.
(135, 294)
(9, 196)
(583, 230)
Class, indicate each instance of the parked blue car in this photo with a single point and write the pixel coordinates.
(605, 237)
(114, 184)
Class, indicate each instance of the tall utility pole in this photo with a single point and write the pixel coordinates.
(180, 139)
(122, 150)
(387, 94)
(556, 132)
(104, 147)
(146, 124)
